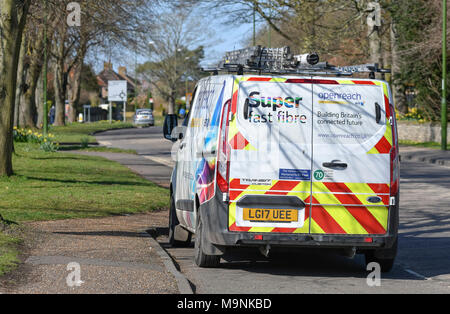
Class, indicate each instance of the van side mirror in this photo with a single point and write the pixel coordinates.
(170, 123)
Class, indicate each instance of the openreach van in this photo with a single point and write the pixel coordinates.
(284, 151)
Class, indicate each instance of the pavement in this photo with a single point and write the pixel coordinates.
(113, 256)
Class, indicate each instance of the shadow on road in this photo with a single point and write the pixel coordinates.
(291, 263)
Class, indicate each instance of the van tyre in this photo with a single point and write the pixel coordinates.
(386, 262)
(173, 224)
(201, 259)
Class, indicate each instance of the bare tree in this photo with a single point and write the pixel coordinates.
(13, 14)
(119, 24)
(173, 60)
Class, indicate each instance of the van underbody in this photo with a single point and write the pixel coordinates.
(219, 238)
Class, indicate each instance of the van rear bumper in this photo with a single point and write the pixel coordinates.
(215, 218)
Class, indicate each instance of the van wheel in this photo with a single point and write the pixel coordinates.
(386, 263)
(201, 259)
(173, 223)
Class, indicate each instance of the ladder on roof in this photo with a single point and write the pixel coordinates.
(277, 61)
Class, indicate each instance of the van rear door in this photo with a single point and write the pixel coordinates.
(270, 137)
(352, 138)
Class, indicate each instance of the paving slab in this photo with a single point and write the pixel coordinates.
(113, 256)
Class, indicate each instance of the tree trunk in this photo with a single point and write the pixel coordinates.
(21, 78)
(397, 90)
(172, 102)
(74, 92)
(39, 100)
(60, 92)
(375, 46)
(60, 75)
(374, 33)
(34, 72)
(12, 22)
(29, 104)
(74, 87)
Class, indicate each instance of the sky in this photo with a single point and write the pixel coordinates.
(227, 38)
(224, 37)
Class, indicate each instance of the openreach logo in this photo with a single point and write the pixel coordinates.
(340, 96)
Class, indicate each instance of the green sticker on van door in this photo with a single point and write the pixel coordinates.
(319, 175)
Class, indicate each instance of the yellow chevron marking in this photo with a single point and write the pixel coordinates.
(250, 147)
(346, 82)
(345, 219)
(304, 230)
(278, 80)
(232, 211)
(373, 151)
(381, 214)
(362, 192)
(388, 134)
(233, 129)
(303, 196)
(339, 213)
(315, 228)
(303, 186)
(361, 188)
(323, 198)
(261, 229)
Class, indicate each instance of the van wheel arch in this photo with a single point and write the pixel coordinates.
(178, 236)
(206, 253)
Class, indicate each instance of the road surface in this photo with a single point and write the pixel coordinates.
(423, 264)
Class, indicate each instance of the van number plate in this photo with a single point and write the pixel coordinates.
(270, 215)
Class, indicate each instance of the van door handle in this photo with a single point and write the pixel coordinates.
(378, 112)
(182, 146)
(336, 165)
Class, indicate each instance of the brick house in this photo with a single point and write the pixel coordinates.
(108, 74)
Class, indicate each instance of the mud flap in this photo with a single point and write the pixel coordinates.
(181, 234)
(207, 246)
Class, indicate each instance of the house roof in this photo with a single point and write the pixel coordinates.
(108, 74)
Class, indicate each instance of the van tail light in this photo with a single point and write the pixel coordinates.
(223, 161)
(395, 157)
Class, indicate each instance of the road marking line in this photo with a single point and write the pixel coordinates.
(417, 274)
(105, 143)
(160, 160)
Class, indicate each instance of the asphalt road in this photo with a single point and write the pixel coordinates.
(423, 264)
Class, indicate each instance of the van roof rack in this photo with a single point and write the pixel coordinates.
(264, 60)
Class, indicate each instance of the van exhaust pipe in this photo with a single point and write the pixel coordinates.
(349, 253)
(265, 250)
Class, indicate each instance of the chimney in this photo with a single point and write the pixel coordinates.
(123, 71)
(107, 65)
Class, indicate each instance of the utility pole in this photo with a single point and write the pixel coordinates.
(136, 90)
(444, 76)
(254, 23)
(270, 27)
(374, 25)
(45, 122)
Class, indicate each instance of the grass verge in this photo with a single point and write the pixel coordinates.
(432, 145)
(97, 149)
(49, 186)
(9, 253)
(82, 132)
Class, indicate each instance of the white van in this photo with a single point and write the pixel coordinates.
(287, 161)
